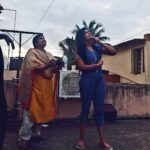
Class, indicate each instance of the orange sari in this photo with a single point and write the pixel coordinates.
(36, 93)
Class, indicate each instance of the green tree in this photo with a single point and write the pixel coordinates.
(68, 47)
(95, 28)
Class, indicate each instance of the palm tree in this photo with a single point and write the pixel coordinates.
(68, 47)
(95, 28)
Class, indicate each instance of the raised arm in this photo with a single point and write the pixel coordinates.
(8, 40)
(108, 49)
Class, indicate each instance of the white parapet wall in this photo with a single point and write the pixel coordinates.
(9, 75)
(130, 100)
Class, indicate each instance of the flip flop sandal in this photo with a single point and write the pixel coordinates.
(106, 148)
(79, 146)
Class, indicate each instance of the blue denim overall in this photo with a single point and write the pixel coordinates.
(92, 87)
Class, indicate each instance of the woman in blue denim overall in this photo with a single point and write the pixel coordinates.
(92, 87)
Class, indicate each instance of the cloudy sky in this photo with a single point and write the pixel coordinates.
(122, 19)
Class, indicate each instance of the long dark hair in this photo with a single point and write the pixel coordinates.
(80, 44)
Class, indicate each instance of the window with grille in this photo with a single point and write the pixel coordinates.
(137, 61)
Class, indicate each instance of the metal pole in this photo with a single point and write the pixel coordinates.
(19, 56)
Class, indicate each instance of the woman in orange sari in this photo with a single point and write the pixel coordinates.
(36, 91)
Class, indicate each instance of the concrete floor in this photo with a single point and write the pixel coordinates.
(62, 134)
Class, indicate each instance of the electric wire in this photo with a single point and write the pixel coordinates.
(44, 14)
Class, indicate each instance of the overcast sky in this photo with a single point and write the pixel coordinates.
(122, 19)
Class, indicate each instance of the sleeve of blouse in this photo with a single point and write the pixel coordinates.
(99, 48)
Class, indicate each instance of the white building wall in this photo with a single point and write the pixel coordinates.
(120, 64)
